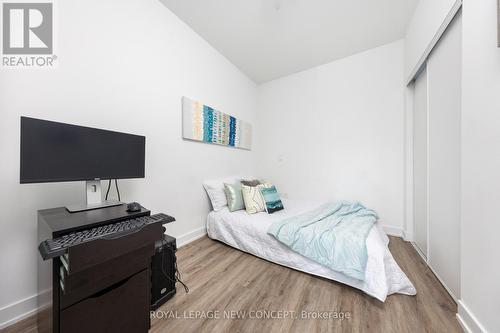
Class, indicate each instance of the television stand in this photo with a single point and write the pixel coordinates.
(94, 198)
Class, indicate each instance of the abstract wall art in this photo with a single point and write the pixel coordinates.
(202, 123)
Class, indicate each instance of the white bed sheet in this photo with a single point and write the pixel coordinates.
(249, 233)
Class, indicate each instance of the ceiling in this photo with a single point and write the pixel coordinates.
(268, 39)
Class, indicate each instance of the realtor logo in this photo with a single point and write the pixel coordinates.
(27, 29)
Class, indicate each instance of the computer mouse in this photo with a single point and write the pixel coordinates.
(134, 207)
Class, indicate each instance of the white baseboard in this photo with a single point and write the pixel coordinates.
(468, 321)
(465, 318)
(407, 236)
(24, 308)
(424, 258)
(393, 231)
(448, 290)
(191, 236)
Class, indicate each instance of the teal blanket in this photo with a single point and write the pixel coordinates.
(333, 235)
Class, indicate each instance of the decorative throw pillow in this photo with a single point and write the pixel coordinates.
(215, 191)
(252, 183)
(271, 199)
(254, 202)
(234, 197)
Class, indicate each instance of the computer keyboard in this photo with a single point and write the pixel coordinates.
(52, 248)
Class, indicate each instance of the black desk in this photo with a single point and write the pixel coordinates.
(99, 286)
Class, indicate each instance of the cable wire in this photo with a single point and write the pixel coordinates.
(177, 273)
(109, 187)
(117, 190)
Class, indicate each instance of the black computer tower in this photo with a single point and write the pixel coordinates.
(163, 268)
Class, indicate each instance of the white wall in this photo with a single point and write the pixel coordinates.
(122, 67)
(480, 165)
(336, 132)
(429, 20)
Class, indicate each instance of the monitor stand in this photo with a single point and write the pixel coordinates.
(94, 199)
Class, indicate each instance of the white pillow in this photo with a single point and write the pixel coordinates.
(216, 193)
(254, 202)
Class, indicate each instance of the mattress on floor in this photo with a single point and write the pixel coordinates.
(248, 232)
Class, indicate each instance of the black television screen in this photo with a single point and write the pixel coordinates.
(57, 152)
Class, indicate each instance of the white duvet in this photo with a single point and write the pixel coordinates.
(249, 233)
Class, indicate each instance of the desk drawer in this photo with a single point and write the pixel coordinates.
(87, 255)
(81, 285)
(123, 307)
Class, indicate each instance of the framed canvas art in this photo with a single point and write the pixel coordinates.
(203, 123)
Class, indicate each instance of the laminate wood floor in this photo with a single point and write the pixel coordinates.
(224, 279)
(226, 283)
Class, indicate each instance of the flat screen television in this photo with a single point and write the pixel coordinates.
(58, 152)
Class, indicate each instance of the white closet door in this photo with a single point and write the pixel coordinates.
(444, 96)
(420, 143)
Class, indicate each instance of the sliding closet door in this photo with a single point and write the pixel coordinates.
(444, 96)
(420, 162)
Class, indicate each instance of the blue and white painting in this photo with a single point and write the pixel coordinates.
(202, 123)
